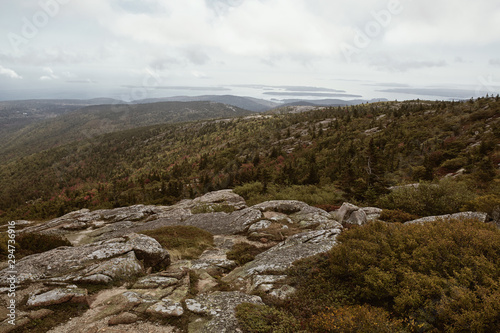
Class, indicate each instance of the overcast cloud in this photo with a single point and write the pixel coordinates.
(96, 48)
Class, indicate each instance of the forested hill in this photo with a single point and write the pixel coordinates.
(326, 155)
(94, 120)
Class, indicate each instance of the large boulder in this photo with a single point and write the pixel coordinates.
(351, 214)
(299, 213)
(222, 197)
(104, 261)
(281, 257)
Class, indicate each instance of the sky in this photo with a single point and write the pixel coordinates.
(271, 49)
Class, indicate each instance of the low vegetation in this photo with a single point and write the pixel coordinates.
(30, 243)
(242, 253)
(184, 242)
(389, 277)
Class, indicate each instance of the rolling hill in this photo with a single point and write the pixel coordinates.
(359, 150)
(87, 122)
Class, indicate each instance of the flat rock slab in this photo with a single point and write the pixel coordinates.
(482, 217)
(223, 223)
(111, 258)
(58, 296)
(281, 257)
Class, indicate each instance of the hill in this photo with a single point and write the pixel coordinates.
(90, 121)
(14, 115)
(247, 103)
(343, 153)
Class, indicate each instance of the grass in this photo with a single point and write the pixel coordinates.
(183, 242)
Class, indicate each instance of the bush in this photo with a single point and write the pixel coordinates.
(446, 197)
(187, 242)
(444, 275)
(244, 252)
(30, 243)
(454, 164)
(265, 319)
(212, 209)
(249, 190)
(487, 203)
(356, 319)
(396, 216)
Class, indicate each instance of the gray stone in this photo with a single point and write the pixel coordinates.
(166, 308)
(481, 217)
(281, 257)
(265, 282)
(262, 224)
(67, 264)
(223, 197)
(58, 296)
(344, 212)
(358, 218)
(220, 306)
(372, 213)
(223, 223)
(155, 281)
(283, 292)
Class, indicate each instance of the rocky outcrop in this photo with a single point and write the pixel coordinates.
(100, 262)
(352, 214)
(220, 308)
(279, 258)
(222, 197)
(109, 248)
(223, 223)
(71, 294)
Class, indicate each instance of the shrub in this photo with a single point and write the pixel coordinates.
(244, 252)
(446, 197)
(212, 209)
(249, 190)
(255, 318)
(454, 164)
(487, 203)
(356, 319)
(443, 275)
(396, 216)
(30, 243)
(187, 242)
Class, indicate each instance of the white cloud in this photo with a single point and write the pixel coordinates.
(254, 41)
(50, 74)
(9, 73)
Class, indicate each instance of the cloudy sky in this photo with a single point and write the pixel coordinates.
(131, 49)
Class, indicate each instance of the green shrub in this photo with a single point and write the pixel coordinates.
(265, 319)
(30, 243)
(396, 216)
(249, 190)
(454, 164)
(487, 203)
(444, 275)
(187, 242)
(244, 252)
(212, 209)
(446, 197)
